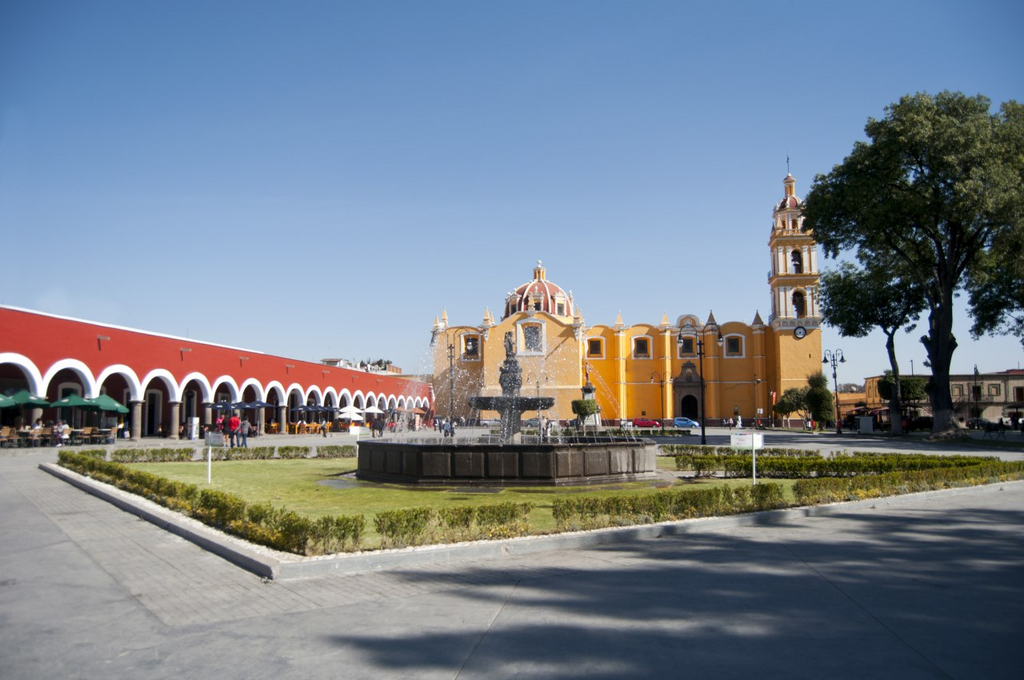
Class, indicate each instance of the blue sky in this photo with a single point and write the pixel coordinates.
(320, 179)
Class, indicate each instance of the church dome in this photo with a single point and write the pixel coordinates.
(791, 201)
(539, 295)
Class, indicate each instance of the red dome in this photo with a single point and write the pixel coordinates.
(539, 295)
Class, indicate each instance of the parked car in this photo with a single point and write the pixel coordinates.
(978, 423)
(489, 422)
(531, 422)
(645, 422)
(685, 422)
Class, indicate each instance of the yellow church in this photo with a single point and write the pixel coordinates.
(650, 371)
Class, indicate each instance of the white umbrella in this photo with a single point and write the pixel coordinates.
(349, 413)
(372, 409)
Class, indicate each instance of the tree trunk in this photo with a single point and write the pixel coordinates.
(895, 413)
(940, 345)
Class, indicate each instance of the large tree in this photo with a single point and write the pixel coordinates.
(819, 400)
(857, 300)
(936, 185)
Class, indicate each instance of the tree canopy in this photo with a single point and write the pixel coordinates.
(857, 300)
(935, 194)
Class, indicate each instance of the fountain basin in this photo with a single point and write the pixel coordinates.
(596, 460)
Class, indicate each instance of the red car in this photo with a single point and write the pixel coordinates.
(645, 422)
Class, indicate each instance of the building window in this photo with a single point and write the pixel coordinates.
(471, 347)
(799, 305)
(560, 309)
(641, 348)
(993, 390)
(798, 262)
(533, 340)
(595, 348)
(1018, 394)
(734, 346)
(958, 390)
(686, 347)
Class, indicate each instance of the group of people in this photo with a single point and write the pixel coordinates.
(234, 431)
(445, 427)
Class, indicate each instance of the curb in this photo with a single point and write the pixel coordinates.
(271, 564)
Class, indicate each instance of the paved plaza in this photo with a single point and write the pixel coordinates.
(923, 586)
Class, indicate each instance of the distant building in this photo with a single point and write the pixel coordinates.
(165, 380)
(975, 395)
(646, 370)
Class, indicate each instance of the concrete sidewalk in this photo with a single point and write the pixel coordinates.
(929, 586)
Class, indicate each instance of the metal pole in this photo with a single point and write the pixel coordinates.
(451, 380)
(835, 358)
(703, 415)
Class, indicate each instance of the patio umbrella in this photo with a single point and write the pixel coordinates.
(258, 404)
(107, 403)
(74, 401)
(6, 401)
(24, 398)
(222, 406)
(372, 409)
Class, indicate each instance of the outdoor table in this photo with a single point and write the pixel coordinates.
(76, 437)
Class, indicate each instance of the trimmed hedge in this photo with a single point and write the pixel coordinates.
(336, 451)
(740, 464)
(834, 490)
(589, 512)
(260, 523)
(164, 455)
(420, 526)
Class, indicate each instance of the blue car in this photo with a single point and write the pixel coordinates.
(685, 422)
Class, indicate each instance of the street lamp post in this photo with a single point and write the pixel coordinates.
(757, 413)
(835, 358)
(689, 330)
(661, 381)
(977, 393)
(451, 381)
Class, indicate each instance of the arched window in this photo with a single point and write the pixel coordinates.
(799, 305)
(798, 262)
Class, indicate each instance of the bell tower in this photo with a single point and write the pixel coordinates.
(795, 323)
(793, 278)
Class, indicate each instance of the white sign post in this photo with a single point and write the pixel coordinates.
(752, 441)
(209, 464)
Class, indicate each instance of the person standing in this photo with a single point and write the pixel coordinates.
(233, 426)
(243, 434)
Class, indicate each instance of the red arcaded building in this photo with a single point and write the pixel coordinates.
(165, 380)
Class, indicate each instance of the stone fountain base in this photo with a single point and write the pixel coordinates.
(598, 460)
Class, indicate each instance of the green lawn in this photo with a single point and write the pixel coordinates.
(295, 484)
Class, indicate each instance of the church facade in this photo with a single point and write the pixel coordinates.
(653, 370)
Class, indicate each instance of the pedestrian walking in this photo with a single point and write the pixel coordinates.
(234, 424)
(243, 434)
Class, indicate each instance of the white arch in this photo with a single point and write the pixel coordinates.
(32, 375)
(205, 388)
(345, 396)
(314, 391)
(254, 383)
(359, 399)
(126, 372)
(173, 391)
(392, 403)
(295, 387)
(80, 369)
(275, 386)
(331, 392)
(231, 384)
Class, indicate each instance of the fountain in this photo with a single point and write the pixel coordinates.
(510, 405)
(510, 459)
